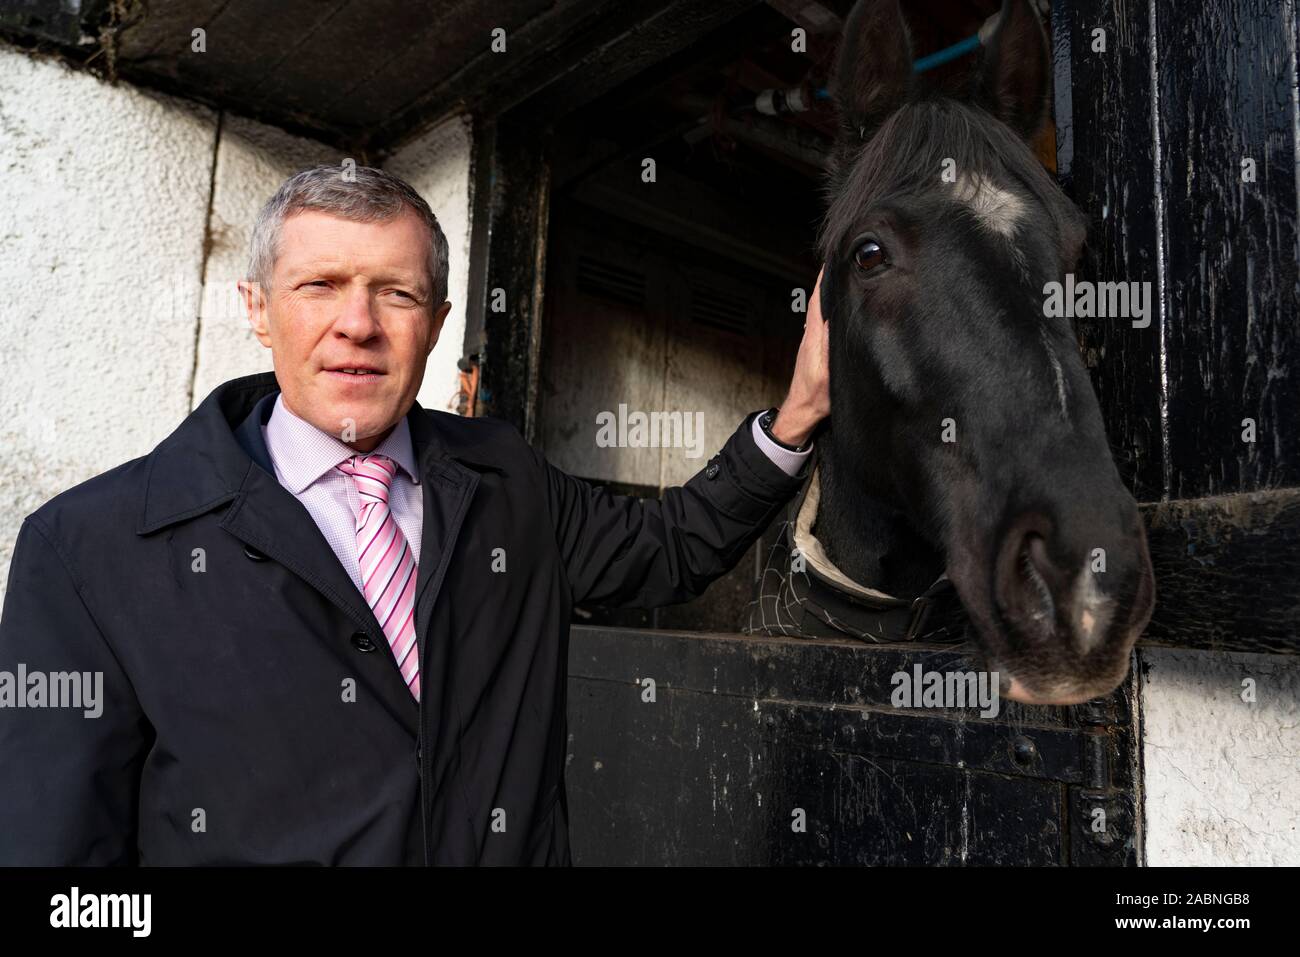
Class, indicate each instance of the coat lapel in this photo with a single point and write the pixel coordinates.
(448, 490)
(267, 518)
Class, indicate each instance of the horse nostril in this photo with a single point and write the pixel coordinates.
(1045, 600)
(1033, 563)
(1024, 578)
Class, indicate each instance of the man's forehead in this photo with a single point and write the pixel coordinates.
(312, 238)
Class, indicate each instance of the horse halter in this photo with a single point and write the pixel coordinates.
(821, 601)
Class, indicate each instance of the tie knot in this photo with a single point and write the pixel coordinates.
(373, 474)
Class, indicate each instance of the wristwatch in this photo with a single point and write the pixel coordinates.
(765, 421)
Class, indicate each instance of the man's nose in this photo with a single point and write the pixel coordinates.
(357, 319)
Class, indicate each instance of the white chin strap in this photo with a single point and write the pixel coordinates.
(815, 554)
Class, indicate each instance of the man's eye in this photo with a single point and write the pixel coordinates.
(869, 255)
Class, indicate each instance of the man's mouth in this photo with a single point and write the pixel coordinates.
(355, 374)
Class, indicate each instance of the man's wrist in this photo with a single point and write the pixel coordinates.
(790, 427)
(788, 460)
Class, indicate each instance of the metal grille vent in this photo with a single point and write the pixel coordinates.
(611, 281)
(717, 310)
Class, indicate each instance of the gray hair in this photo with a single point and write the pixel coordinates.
(367, 195)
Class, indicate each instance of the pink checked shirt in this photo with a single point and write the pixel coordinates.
(304, 459)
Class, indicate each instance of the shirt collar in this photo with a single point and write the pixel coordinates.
(303, 453)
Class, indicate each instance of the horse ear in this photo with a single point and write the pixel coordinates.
(1014, 81)
(873, 67)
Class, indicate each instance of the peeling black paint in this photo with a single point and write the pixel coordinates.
(1227, 569)
(744, 732)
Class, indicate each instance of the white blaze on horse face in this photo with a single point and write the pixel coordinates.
(1057, 371)
(997, 209)
(1093, 610)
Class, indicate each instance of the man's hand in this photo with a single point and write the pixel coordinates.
(809, 398)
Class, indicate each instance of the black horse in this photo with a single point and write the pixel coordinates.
(965, 435)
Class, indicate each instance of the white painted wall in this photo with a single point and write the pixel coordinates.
(101, 250)
(437, 165)
(1222, 776)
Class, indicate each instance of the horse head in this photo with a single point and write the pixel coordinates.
(965, 434)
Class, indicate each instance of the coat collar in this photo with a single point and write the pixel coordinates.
(207, 460)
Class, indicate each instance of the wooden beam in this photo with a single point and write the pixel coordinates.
(516, 176)
(713, 222)
(1227, 572)
(812, 16)
(573, 54)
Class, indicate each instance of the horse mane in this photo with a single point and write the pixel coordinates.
(905, 155)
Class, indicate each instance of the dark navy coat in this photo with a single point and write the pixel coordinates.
(227, 734)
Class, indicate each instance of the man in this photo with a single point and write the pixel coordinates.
(322, 624)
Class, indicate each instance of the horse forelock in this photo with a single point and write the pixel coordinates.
(920, 141)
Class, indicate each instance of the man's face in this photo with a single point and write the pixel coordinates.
(349, 296)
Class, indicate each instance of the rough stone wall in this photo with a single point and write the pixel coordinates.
(1222, 774)
(101, 252)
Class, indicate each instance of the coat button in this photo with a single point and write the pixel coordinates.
(712, 471)
(254, 554)
(361, 641)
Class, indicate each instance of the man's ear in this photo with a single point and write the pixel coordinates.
(1014, 81)
(255, 308)
(439, 317)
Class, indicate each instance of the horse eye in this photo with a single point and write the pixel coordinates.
(869, 255)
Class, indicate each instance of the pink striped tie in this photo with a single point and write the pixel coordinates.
(388, 571)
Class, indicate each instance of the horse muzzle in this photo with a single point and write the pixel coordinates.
(1062, 608)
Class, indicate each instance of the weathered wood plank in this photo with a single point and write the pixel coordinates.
(844, 673)
(745, 734)
(1227, 572)
(37, 22)
(515, 261)
(1227, 81)
(1107, 158)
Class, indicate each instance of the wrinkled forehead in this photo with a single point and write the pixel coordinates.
(996, 208)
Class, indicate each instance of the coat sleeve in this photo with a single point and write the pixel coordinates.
(69, 780)
(626, 551)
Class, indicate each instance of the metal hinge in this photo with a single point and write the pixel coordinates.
(1103, 808)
